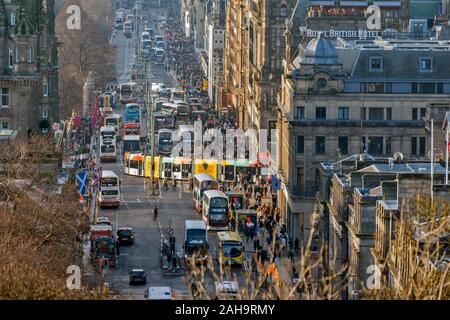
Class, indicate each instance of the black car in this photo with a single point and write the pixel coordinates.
(137, 275)
(125, 235)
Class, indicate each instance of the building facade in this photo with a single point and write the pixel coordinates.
(368, 97)
(255, 49)
(28, 66)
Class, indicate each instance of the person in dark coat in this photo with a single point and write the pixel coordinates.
(296, 245)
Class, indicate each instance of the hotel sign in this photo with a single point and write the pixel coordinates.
(361, 33)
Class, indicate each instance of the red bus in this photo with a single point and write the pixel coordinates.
(132, 129)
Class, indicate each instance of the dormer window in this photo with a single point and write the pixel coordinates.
(321, 83)
(376, 64)
(426, 64)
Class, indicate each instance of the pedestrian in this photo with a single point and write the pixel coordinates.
(265, 191)
(155, 213)
(290, 243)
(118, 247)
(255, 244)
(291, 255)
(296, 245)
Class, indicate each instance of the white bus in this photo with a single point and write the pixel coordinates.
(215, 210)
(109, 195)
(196, 240)
(107, 132)
(177, 94)
(128, 92)
(108, 151)
(202, 182)
(114, 120)
(131, 144)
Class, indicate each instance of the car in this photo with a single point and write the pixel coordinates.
(125, 235)
(103, 220)
(137, 275)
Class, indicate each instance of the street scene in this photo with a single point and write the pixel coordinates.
(221, 150)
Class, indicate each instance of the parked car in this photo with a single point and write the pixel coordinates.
(137, 276)
(125, 235)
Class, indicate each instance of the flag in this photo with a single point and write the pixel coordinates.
(276, 183)
(96, 183)
(81, 182)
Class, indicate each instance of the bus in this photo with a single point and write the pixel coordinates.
(107, 132)
(181, 112)
(202, 182)
(158, 104)
(131, 143)
(177, 94)
(118, 22)
(109, 195)
(164, 142)
(159, 56)
(163, 121)
(231, 249)
(215, 210)
(131, 128)
(134, 164)
(108, 150)
(114, 120)
(196, 241)
(132, 113)
(128, 92)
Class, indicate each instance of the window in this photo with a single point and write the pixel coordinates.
(321, 82)
(375, 87)
(30, 54)
(388, 87)
(413, 145)
(5, 125)
(426, 65)
(388, 113)
(45, 87)
(414, 87)
(376, 64)
(376, 113)
(423, 112)
(439, 87)
(426, 87)
(388, 145)
(321, 113)
(45, 113)
(301, 179)
(10, 58)
(376, 145)
(320, 145)
(283, 10)
(414, 114)
(343, 145)
(12, 18)
(343, 113)
(422, 146)
(5, 97)
(300, 113)
(300, 144)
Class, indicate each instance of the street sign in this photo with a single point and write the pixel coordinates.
(169, 231)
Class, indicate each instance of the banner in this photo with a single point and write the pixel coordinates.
(276, 183)
(81, 181)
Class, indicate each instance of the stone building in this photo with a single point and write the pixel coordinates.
(351, 199)
(356, 97)
(255, 49)
(28, 66)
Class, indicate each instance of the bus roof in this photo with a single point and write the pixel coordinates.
(109, 174)
(131, 125)
(129, 84)
(228, 236)
(159, 293)
(131, 104)
(203, 177)
(195, 224)
(164, 130)
(131, 138)
(114, 115)
(215, 194)
(107, 128)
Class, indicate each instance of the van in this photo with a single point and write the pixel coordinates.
(158, 293)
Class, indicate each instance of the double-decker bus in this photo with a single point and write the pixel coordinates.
(163, 121)
(131, 129)
(109, 195)
(107, 132)
(215, 210)
(114, 120)
(165, 142)
(196, 241)
(131, 143)
(178, 94)
(108, 151)
(202, 182)
(128, 92)
(132, 113)
(158, 103)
